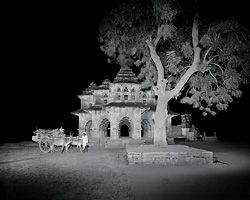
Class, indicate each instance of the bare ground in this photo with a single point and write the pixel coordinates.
(27, 173)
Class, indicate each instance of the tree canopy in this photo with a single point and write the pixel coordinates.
(174, 29)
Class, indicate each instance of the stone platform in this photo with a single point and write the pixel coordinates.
(169, 155)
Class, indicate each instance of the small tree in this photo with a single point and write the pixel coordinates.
(198, 61)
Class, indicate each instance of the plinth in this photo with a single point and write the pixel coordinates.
(168, 155)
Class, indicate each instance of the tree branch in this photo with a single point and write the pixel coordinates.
(194, 67)
(188, 90)
(217, 37)
(158, 36)
(212, 59)
(161, 82)
(213, 77)
(195, 38)
(205, 56)
(184, 68)
(222, 73)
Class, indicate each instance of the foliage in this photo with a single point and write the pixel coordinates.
(225, 54)
(227, 67)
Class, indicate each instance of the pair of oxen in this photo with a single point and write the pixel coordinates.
(81, 143)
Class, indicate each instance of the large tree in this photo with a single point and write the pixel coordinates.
(183, 55)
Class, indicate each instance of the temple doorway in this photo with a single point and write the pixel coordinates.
(88, 128)
(124, 131)
(104, 128)
(125, 128)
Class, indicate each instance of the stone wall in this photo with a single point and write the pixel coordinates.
(171, 155)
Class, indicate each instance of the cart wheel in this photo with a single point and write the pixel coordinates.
(44, 144)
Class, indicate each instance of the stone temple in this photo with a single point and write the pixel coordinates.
(119, 111)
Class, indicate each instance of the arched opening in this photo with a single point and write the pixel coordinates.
(125, 127)
(124, 130)
(142, 131)
(88, 128)
(104, 128)
(145, 128)
(108, 130)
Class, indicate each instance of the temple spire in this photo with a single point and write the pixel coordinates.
(125, 75)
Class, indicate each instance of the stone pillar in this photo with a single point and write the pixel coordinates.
(80, 123)
(113, 131)
(95, 128)
(169, 126)
(136, 123)
(137, 130)
(114, 135)
(185, 124)
(184, 131)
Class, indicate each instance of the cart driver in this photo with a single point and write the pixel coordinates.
(85, 141)
(61, 130)
(84, 135)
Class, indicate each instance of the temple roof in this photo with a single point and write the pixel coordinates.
(94, 107)
(85, 110)
(91, 86)
(86, 93)
(127, 104)
(125, 75)
(106, 82)
(102, 87)
(78, 111)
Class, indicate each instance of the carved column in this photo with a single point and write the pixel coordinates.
(137, 124)
(114, 123)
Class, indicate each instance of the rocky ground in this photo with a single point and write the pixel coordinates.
(27, 173)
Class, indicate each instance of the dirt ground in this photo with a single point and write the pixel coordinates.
(27, 173)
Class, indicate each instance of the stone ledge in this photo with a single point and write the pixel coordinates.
(169, 155)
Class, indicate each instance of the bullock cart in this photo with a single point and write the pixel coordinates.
(45, 137)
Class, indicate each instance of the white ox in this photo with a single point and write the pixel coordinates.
(64, 142)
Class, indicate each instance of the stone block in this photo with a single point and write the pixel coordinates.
(171, 155)
(210, 138)
(190, 136)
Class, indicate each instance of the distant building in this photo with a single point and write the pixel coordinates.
(118, 111)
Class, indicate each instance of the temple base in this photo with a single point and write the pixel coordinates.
(168, 155)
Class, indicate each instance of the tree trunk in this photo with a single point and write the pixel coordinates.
(160, 116)
(161, 113)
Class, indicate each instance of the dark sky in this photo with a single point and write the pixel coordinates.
(53, 55)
